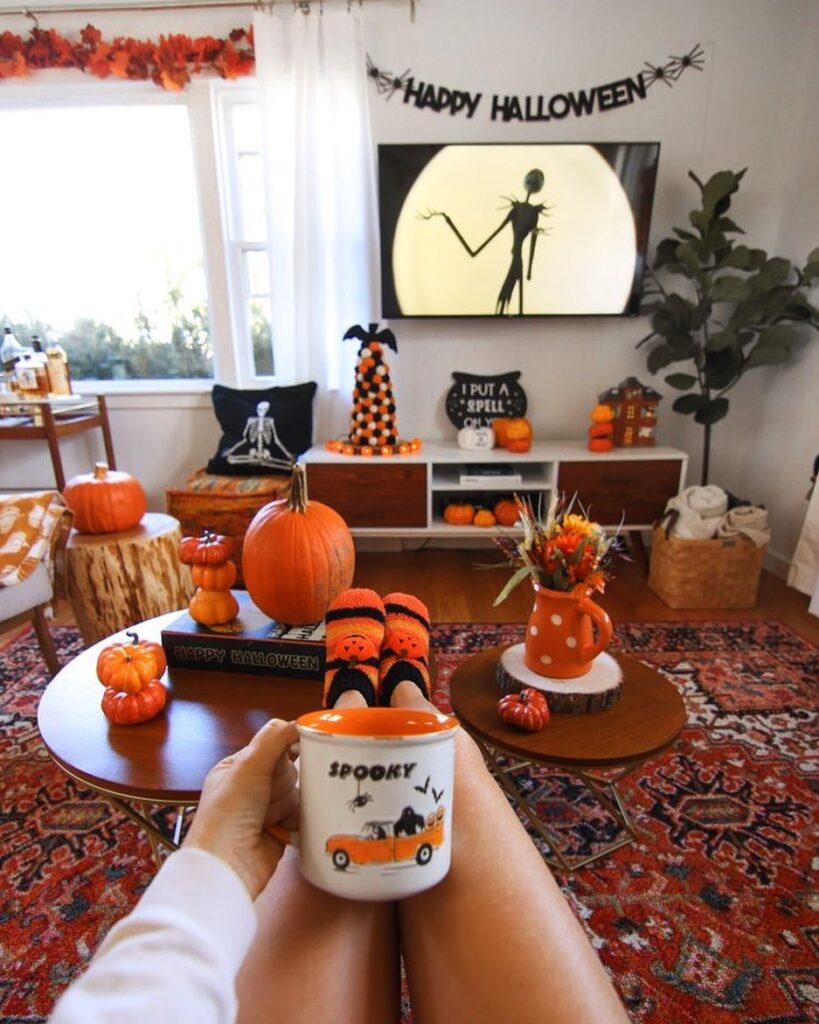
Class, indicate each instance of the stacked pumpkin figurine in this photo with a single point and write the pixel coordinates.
(131, 673)
(214, 574)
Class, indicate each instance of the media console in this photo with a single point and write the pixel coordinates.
(405, 496)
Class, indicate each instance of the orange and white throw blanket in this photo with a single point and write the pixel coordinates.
(27, 525)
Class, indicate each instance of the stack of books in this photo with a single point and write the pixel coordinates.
(491, 474)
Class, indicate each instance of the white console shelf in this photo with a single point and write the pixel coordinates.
(404, 496)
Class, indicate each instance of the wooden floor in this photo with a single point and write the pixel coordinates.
(456, 588)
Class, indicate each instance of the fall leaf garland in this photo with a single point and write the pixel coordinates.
(169, 63)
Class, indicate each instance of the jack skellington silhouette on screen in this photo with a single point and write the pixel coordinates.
(524, 218)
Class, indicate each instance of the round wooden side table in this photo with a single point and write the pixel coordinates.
(117, 579)
(599, 748)
(162, 762)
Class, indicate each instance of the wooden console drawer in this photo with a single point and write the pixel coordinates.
(639, 488)
(370, 494)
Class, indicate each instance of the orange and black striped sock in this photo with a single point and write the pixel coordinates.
(354, 634)
(405, 652)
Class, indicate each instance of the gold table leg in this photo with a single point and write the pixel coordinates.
(161, 843)
(602, 787)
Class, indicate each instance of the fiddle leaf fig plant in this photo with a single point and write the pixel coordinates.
(733, 308)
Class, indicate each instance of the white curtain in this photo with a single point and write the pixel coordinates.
(320, 174)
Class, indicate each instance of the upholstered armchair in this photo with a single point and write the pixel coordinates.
(32, 564)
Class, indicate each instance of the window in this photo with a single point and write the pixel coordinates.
(101, 247)
(248, 262)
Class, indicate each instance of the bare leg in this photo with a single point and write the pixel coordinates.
(496, 940)
(319, 958)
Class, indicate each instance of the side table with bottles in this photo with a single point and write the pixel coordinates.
(49, 419)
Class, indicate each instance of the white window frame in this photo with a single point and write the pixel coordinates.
(216, 184)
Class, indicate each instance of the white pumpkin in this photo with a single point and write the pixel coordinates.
(476, 438)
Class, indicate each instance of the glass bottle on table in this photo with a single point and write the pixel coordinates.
(11, 352)
(38, 360)
(59, 374)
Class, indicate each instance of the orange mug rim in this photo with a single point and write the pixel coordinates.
(377, 723)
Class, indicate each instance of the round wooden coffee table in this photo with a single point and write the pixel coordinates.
(162, 762)
(599, 748)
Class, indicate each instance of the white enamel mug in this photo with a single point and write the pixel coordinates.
(375, 817)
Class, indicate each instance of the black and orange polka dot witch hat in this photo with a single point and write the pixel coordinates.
(373, 423)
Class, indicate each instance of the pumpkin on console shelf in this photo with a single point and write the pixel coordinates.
(513, 434)
(298, 555)
(127, 667)
(459, 514)
(483, 517)
(506, 512)
(105, 501)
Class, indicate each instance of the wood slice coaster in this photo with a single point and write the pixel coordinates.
(597, 690)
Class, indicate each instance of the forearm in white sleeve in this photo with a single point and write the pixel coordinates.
(175, 956)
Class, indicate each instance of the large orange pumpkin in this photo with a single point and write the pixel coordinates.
(105, 501)
(298, 555)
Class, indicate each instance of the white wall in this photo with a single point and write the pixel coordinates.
(753, 105)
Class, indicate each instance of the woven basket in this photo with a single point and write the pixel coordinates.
(720, 573)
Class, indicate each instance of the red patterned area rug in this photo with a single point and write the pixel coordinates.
(713, 916)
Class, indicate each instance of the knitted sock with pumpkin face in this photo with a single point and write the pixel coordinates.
(405, 652)
(354, 626)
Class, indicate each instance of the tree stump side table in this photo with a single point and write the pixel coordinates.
(117, 579)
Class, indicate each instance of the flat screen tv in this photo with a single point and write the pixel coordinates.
(514, 229)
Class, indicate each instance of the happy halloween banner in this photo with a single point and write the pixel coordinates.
(619, 93)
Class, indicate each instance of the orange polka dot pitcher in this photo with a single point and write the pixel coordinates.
(560, 633)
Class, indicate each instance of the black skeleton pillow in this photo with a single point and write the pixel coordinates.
(263, 431)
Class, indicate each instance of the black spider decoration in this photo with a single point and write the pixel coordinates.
(695, 58)
(386, 82)
(662, 73)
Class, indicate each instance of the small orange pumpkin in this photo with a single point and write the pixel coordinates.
(132, 708)
(501, 428)
(105, 501)
(213, 607)
(602, 413)
(600, 444)
(519, 435)
(527, 710)
(298, 555)
(209, 549)
(483, 517)
(506, 512)
(459, 514)
(214, 577)
(128, 667)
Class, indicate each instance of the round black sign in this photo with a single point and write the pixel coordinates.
(474, 401)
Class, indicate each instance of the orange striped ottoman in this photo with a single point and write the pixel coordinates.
(224, 504)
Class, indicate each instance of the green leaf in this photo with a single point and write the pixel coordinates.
(722, 339)
(739, 257)
(813, 255)
(665, 252)
(694, 178)
(661, 355)
(778, 336)
(717, 191)
(773, 273)
(682, 345)
(681, 381)
(513, 581)
(729, 289)
(699, 220)
(663, 321)
(688, 404)
(767, 355)
(687, 253)
(811, 269)
(713, 412)
(721, 368)
(727, 226)
(685, 235)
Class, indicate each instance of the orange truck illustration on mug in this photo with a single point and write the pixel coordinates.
(382, 842)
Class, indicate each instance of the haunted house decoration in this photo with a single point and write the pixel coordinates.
(373, 423)
(635, 413)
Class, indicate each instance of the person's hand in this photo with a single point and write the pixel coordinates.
(242, 795)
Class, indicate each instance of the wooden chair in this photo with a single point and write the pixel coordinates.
(29, 600)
